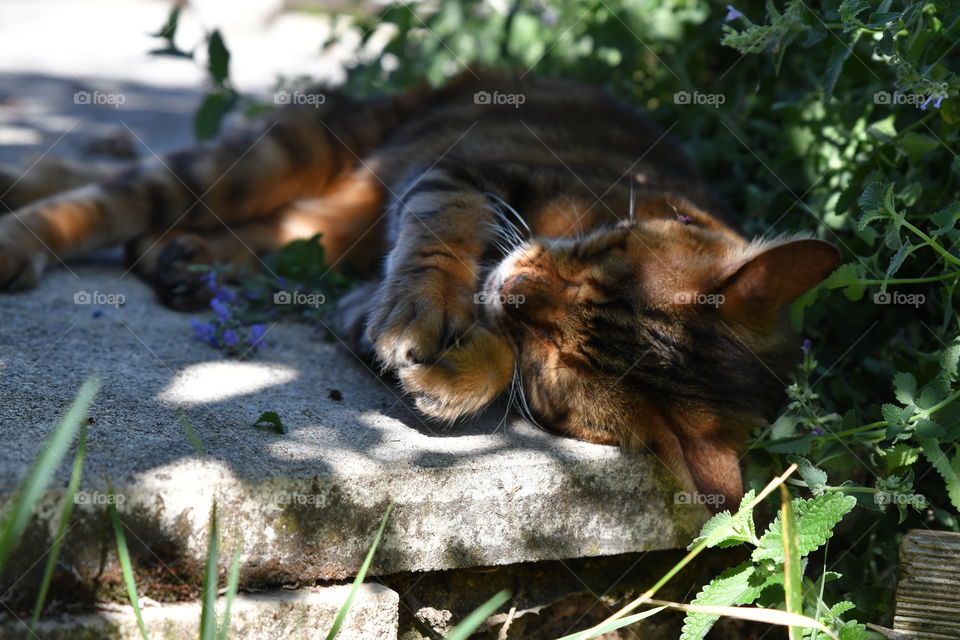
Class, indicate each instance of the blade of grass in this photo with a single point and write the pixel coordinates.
(125, 567)
(191, 432)
(791, 561)
(233, 582)
(342, 614)
(43, 468)
(622, 622)
(463, 630)
(66, 511)
(754, 614)
(592, 632)
(208, 593)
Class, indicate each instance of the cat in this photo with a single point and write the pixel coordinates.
(536, 232)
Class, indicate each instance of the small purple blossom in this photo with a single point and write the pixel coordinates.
(940, 99)
(732, 13)
(684, 219)
(807, 345)
(923, 107)
(230, 338)
(256, 335)
(817, 431)
(204, 331)
(97, 313)
(210, 278)
(221, 309)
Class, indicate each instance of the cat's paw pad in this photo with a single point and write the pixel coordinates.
(463, 380)
(407, 328)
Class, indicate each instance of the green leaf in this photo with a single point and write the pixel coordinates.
(734, 586)
(948, 469)
(900, 455)
(815, 478)
(946, 218)
(905, 388)
(233, 583)
(914, 143)
(847, 276)
(270, 419)
(218, 62)
(816, 518)
(725, 530)
(210, 115)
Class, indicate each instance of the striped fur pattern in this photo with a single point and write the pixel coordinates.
(560, 246)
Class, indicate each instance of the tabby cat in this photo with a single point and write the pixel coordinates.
(537, 233)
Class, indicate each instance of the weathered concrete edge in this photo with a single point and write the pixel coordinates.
(301, 614)
(320, 528)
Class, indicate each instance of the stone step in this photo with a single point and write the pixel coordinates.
(303, 614)
(303, 505)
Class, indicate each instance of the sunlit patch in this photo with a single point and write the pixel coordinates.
(214, 381)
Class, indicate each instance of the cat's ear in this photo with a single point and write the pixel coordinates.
(755, 290)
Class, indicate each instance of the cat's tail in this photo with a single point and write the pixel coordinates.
(291, 153)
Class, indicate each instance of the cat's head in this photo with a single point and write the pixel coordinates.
(667, 332)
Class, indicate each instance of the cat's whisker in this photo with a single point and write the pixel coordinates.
(632, 201)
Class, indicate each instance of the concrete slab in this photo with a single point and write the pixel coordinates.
(303, 505)
(303, 614)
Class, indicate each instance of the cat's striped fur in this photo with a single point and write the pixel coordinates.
(582, 229)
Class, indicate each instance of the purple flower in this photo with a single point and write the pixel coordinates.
(817, 431)
(222, 310)
(732, 13)
(940, 98)
(684, 219)
(223, 295)
(204, 331)
(923, 107)
(97, 313)
(807, 345)
(230, 338)
(256, 335)
(210, 278)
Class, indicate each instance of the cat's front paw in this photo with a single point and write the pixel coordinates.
(22, 261)
(464, 380)
(412, 325)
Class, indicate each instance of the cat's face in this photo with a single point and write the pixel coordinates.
(659, 324)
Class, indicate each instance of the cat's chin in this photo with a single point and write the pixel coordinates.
(492, 296)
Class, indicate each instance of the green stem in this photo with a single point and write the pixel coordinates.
(933, 244)
(943, 276)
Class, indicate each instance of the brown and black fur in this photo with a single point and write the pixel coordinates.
(571, 203)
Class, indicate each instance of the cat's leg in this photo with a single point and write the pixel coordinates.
(49, 176)
(423, 322)
(293, 153)
(348, 218)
